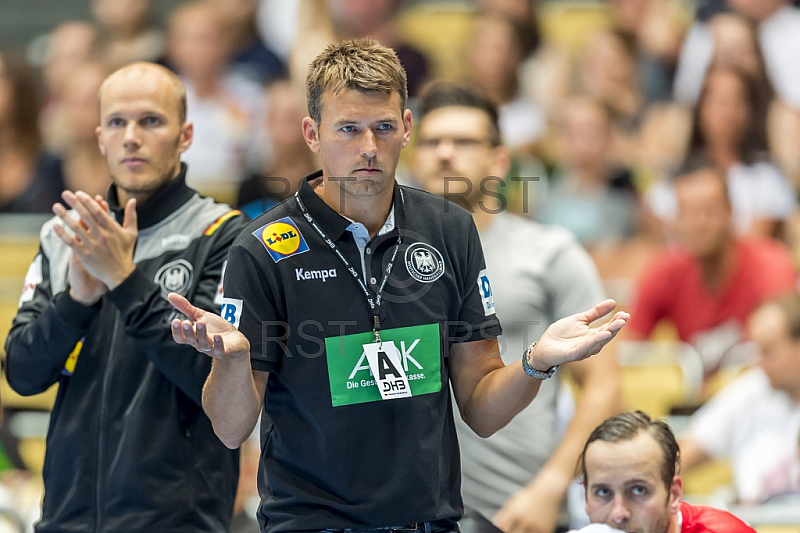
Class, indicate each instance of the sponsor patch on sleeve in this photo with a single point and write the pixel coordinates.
(281, 238)
(232, 310)
(72, 360)
(32, 280)
(219, 296)
(485, 289)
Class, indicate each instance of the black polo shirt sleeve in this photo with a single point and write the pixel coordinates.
(477, 319)
(249, 304)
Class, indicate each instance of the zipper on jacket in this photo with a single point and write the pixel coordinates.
(101, 434)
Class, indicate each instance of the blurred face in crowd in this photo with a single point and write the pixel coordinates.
(607, 65)
(360, 135)
(69, 45)
(585, 135)
(236, 13)
(357, 18)
(285, 112)
(704, 213)
(624, 488)
(80, 101)
(724, 111)
(629, 14)
(758, 10)
(457, 142)
(734, 43)
(141, 133)
(197, 46)
(493, 53)
(124, 17)
(778, 352)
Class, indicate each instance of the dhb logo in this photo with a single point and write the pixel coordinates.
(485, 288)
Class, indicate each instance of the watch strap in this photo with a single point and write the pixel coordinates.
(538, 374)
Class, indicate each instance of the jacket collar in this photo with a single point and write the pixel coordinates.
(164, 201)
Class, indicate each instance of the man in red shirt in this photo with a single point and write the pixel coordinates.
(708, 284)
(630, 468)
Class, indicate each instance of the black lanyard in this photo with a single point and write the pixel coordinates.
(374, 304)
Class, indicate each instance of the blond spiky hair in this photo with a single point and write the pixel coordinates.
(362, 64)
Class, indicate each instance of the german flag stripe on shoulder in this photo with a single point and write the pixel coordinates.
(214, 226)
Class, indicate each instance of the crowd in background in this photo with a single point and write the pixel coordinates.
(603, 120)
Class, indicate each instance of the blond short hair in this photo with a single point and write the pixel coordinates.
(362, 64)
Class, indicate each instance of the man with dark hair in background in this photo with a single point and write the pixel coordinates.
(540, 274)
(709, 283)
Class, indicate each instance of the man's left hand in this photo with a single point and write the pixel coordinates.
(104, 247)
(571, 338)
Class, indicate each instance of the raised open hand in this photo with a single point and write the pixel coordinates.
(207, 332)
(571, 338)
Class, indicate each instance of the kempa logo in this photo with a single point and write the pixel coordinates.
(405, 355)
(315, 274)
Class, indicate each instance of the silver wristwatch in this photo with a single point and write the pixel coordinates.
(532, 372)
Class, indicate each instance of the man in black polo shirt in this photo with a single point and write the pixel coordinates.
(358, 305)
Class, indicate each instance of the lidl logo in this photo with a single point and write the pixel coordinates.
(281, 238)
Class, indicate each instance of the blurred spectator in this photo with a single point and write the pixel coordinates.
(734, 44)
(524, 13)
(375, 18)
(494, 54)
(127, 33)
(250, 56)
(709, 284)
(778, 25)
(779, 34)
(663, 142)
(609, 75)
(224, 107)
(783, 131)
(754, 422)
(660, 147)
(589, 194)
(69, 45)
(529, 462)
(291, 159)
(655, 28)
(83, 167)
(28, 182)
(730, 128)
(277, 24)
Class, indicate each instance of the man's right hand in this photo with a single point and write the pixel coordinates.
(207, 332)
(84, 288)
